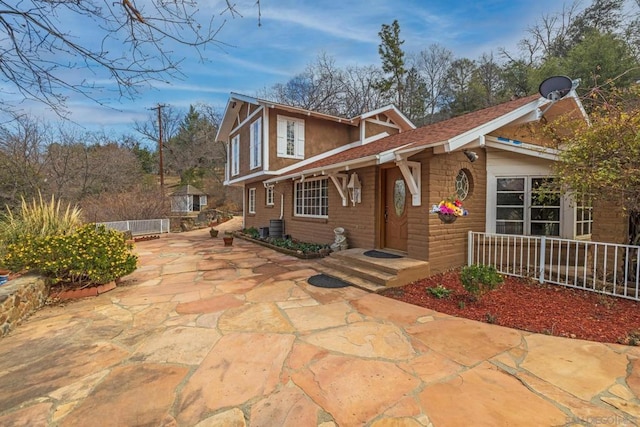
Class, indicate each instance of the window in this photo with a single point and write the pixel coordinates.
(290, 137)
(269, 195)
(256, 144)
(584, 216)
(462, 184)
(252, 200)
(235, 155)
(311, 199)
(523, 207)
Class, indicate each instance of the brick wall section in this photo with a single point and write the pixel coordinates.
(447, 243)
(358, 221)
(609, 225)
(443, 245)
(19, 298)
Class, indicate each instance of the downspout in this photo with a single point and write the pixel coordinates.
(281, 205)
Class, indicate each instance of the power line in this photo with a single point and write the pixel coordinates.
(159, 107)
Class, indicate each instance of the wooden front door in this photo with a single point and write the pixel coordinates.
(396, 204)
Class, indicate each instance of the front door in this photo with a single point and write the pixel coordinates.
(395, 204)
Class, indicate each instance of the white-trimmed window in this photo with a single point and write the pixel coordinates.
(290, 138)
(521, 208)
(311, 198)
(255, 136)
(269, 195)
(584, 217)
(235, 155)
(252, 200)
(463, 186)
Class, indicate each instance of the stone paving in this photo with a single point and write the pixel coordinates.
(207, 335)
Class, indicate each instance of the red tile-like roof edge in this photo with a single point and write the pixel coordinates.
(423, 136)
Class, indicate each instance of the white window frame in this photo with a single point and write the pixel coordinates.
(527, 206)
(269, 195)
(252, 201)
(290, 146)
(255, 149)
(235, 155)
(583, 217)
(311, 198)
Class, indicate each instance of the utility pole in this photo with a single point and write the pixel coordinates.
(159, 108)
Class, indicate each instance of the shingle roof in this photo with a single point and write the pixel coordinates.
(187, 190)
(422, 137)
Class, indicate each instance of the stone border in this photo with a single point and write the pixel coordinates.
(93, 291)
(19, 298)
(297, 254)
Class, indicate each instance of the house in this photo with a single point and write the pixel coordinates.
(188, 199)
(377, 176)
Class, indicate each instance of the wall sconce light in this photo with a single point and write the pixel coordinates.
(354, 187)
(471, 155)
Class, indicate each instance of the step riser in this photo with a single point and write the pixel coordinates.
(366, 264)
(351, 272)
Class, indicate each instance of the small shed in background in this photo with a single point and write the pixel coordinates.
(187, 199)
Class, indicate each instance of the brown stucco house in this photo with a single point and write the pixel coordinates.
(377, 176)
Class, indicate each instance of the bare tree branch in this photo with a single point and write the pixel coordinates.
(127, 42)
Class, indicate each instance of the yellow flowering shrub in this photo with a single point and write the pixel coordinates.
(89, 254)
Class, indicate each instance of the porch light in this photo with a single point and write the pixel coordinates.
(471, 155)
(354, 188)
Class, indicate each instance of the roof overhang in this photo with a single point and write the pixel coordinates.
(519, 147)
(371, 160)
(512, 117)
(236, 101)
(392, 112)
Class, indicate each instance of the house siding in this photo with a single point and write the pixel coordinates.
(447, 243)
(320, 136)
(443, 245)
(372, 129)
(358, 221)
(609, 225)
(245, 141)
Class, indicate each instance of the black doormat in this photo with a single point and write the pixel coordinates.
(324, 281)
(380, 254)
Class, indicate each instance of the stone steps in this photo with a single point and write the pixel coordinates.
(373, 274)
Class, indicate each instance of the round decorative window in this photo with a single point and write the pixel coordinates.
(462, 184)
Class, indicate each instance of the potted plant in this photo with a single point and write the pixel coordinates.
(228, 239)
(213, 232)
(449, 210)
(4, 275)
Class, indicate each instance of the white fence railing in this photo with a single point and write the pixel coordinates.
(139, 227)
(606, 268)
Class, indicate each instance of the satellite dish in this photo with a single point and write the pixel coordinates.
(555, 88)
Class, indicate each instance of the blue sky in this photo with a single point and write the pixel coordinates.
(294, 33)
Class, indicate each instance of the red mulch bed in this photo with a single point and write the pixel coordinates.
(529, 306)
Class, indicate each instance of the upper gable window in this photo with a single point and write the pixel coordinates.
(256, 144)
(290, 137)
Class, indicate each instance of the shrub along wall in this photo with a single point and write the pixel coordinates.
(19, 298)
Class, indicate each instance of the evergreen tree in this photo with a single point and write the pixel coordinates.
(393, 64)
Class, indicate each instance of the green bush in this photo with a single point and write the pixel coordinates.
(252, 232)
(39, 218)
(89, 254)
(295, 245)
(480, 279)
(440, 292)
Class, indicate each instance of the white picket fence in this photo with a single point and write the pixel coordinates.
(140, 227)
(606, 268)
